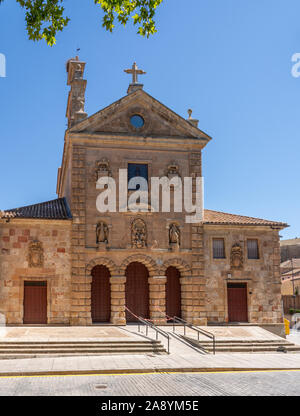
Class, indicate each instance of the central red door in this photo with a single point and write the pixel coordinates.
(237, 302)
(173, 293)
(137, 291)
(35, 303)
(100, 296)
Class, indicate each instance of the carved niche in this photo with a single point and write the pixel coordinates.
(172, 170)
(138, 234)
(102, 232)
(102, 168)
(174, 235)
(35, 254)
(236, 257)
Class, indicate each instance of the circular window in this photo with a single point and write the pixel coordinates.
(137, 121)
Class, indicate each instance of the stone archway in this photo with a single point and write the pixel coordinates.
(173, 292)
(181, 265)
(100, 294)
(179, 288)
(103, 275)
(137, 291)
(103, 261)
(140, 258)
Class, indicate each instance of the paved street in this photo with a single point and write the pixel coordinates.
(212, 384)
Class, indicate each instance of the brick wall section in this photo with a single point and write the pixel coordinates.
(81, 284)
(262, 276)
(15, 238)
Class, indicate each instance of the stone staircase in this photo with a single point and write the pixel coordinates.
(25, 349)
(245, 345)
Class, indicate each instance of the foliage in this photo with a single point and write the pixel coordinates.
(292, 311)
(45, 18)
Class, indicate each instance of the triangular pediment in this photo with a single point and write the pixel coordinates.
(159, 120)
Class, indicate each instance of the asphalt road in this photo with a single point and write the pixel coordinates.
(281, 383)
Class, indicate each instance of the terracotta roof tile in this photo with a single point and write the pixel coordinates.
(56, 209)
(216, 217)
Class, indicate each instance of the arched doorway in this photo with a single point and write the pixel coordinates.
(173, 292)
(100, 294)
(137, 291)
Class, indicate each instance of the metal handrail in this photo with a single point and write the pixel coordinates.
(158, 330)
(198, 330)
(151, 325)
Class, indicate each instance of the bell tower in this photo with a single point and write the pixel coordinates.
(76, 99)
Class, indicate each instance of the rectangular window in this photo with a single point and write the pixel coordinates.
(252, 248)
(137, 169)
(218, 248)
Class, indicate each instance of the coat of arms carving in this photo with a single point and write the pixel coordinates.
(102, 168)
(138, 234)
(172, 170)
(236, 257)
(36, 254)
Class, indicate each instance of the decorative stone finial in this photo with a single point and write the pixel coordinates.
(193, 121)
(135, 72)
(134, 86)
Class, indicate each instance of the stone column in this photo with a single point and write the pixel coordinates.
(117, 290)
(194, 292)
(81, 284)
(157, 299)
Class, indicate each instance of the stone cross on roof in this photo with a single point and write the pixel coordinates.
(135, 72)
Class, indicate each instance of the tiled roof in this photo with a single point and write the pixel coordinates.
(288, 264)
(291, 273)
(216, 217)
(291, 242)
(6, 214)
(56, 209)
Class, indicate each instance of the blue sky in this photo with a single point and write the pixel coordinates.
(230, 61)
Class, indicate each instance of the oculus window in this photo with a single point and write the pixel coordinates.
(137, 121)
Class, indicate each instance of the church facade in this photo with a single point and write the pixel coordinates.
(64, 262)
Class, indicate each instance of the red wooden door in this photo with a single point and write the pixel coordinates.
(137, 291)
(237, 302)
(35, 303)
(100, 295)
(173, 292)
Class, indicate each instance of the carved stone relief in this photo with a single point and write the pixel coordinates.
(36, 254)
(236, 257)
(138, 234)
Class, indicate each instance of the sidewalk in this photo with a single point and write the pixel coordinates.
(146, 364)
(181, 359)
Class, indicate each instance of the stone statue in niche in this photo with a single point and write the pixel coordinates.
(174, 235)
(138, 234)
(79, 104)
(172, 170)
(36, 254)
(102, 168)
(236, 257)
(102, 233)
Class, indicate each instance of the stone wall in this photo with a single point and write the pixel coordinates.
(54, 239)
(262, 275)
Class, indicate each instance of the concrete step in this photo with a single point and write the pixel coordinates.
(245, 346)
(60, 349)
(75, 344)
(252, 349)
(11, 356)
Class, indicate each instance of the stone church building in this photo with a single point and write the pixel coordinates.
(64, 262)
